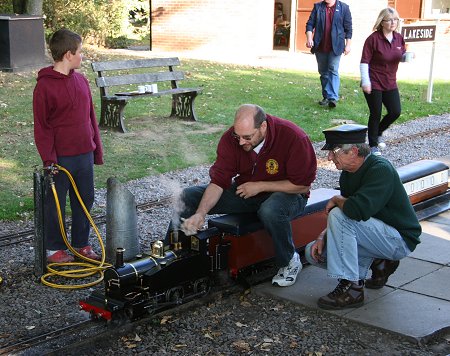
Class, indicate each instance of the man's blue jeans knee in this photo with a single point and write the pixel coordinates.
(352, 245)
(275, 210)
(276, 213)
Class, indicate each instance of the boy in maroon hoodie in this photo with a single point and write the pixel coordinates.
(66, 133)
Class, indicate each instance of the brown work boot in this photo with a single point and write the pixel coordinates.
(346, 295)
(381, 270)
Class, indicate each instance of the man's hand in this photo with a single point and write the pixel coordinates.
(249, 189)
(347, 49)
(193, 224)
(317, 247)
(337, 200)
(309, 39)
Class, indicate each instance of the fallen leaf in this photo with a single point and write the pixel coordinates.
(165, 319)
(241, 345)
(240, 325)
(209, 336)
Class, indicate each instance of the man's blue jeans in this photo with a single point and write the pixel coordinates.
(275, 210)
(328, 66)
(352, 245)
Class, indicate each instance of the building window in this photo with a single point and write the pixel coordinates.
(436, 9)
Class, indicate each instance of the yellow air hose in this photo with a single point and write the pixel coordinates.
(90, 267)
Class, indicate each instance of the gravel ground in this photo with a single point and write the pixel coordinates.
(240, 324)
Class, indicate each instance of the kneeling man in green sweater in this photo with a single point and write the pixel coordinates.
(371, 224)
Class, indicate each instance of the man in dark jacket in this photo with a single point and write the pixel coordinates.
(265, 165)
(371, 224)
(331, 22)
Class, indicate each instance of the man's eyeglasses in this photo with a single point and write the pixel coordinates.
(244, 137)
(335, 151)
(391, 20)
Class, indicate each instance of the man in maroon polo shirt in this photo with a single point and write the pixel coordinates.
(266, 165)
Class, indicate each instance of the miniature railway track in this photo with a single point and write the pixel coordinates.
(27, 235)
(22, 345)
(87, 334)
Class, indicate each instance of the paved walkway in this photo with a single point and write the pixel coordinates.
(416, 301)
(418, 69)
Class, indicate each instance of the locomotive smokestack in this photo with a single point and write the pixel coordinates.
(121, 222)
(119, 257)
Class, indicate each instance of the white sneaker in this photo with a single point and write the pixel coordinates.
(375, 151)
(286, 276)
(381, 143)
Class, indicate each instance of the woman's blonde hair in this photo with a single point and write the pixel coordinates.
(389, 11)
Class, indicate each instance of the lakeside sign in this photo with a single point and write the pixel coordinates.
(418, 33)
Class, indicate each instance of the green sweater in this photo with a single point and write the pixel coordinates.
(375, 190)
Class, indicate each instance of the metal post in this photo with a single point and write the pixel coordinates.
(40, 256)
(430, 77)
(150, 22)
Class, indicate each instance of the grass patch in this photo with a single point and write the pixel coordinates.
(157, 144)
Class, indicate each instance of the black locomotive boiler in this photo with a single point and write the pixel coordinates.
(185, 267)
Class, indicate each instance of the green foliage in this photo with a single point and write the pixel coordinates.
(93, 20)
(118, 42)
(6, 7)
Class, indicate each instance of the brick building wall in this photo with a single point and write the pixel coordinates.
(246, 26)
(212, 24)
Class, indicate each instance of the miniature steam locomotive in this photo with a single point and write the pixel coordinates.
(185, 267)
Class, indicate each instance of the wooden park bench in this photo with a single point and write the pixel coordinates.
(139, 72)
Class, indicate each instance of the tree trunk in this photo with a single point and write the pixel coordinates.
(28, 7)
(33, 7)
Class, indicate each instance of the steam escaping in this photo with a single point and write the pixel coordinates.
(175, 191)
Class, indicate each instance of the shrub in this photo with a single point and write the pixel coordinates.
(93, 20)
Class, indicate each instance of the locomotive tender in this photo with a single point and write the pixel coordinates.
(184, 268)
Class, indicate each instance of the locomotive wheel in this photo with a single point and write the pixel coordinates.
(202, 285)
(129, 312)
(175, 295)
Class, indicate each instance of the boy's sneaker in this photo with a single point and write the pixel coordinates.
(375, 151)
(60, 256)
(286, 276)
(88, 252)
(323, 102)
(381, 143)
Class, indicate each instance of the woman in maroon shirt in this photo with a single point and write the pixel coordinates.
(382, 52)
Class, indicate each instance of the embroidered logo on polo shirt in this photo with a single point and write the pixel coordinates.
(272, 166)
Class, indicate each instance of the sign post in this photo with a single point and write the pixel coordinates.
(422, 34)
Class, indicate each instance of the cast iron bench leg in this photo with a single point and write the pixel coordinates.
(183, 106)
(112, 114)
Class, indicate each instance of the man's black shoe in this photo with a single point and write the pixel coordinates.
(332, 103)
(381, 270)
(346, 295)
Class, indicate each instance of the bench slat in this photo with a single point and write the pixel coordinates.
(138, 78)
(134, 64)
(126, 96)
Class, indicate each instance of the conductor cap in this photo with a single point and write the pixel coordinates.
(343, 134)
